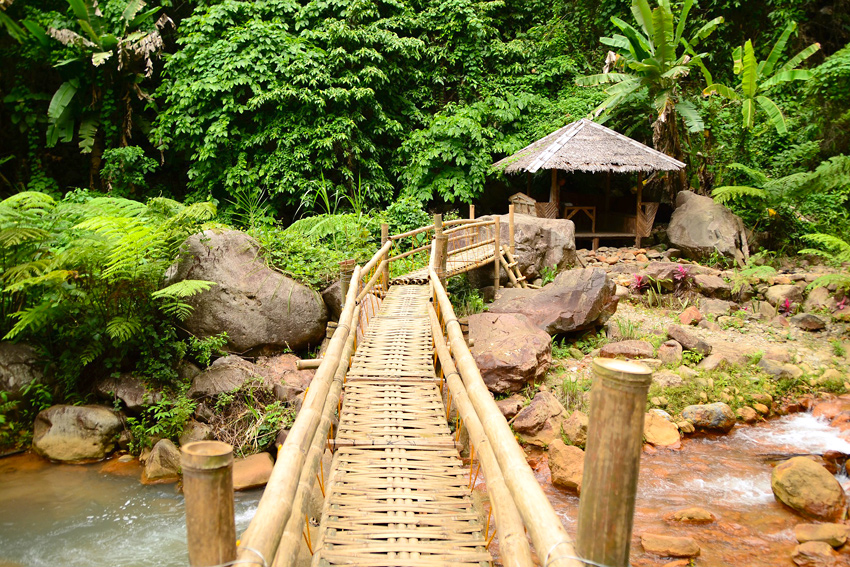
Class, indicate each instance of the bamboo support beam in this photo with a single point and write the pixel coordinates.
(513, 545)
(441, 249)
(507, 267)
(497, 255)
(511, 228)
(512, 260)
(308, 363)
(376, 258)
(548, 535)
(260, 541)
(287, 553)
(208, 487)
(614, 440)
(471, 211)
(385, 273)
(367, 287)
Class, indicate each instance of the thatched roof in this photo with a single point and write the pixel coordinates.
(588, 146)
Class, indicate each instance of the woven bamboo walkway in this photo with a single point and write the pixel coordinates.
(398, 494)
(456, 263)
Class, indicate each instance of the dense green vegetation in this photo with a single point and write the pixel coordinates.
(128, 124)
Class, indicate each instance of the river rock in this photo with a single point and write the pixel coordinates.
(627, 349)
(809, 489)
(716, 307)
(252, 471)
(832, 534)
(667, 379)
(701, 227)
(669, 546)
(659, 431)
(509, 350)
(712, 286)
(289, 383)
(577, 300)
(539, 243)
(19, 367)
(819, 299)
(260, 309)
(332, 296)
(779, 370)
(539, 423)
(195, 431)
(688, 340)
(226, 374)
(714, 417)
(75, 433)
(163, 463)
(670, 352)
(814, 554)
(748, 414)
(778, 294)
(566, 464)
(510, 406)
(575, 428)
(127, 388)
(692, 515)
(808, 322)
(690, 316)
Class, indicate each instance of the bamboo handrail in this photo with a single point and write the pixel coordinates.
(474, 245)
(547, 533)
(260, 541)
(468, 225)
(513, 545)
(287, 553)
(367, 287)
(376, 258)
(410, 252)
(457, 222)
(413, 232)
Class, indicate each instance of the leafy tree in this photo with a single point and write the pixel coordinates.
(651, 63)
(759, 77)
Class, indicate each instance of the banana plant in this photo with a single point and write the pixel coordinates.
(759, 77)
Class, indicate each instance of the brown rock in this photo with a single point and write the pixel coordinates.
(832, 534)
(252, 471)
(814, 554)
(163, 463)
(667, 379)
(627, 349)
(659, 431)
(575, 428)
(808, 322)
(690, 316)
(777, 294)
(670, 353)
(669, 546)
(75, 433)
(566, 464)
(809, 489)
(688, 340)
(540, 422)
(712, 286)
(510, 406)
(195, 431)
(748, 414)
(509, 350)
(713, 417)
(692, 515)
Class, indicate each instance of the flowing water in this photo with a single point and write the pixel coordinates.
(91, 515)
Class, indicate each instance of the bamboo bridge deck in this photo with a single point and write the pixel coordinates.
(397, 492)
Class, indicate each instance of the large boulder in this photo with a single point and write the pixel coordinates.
(19, 367)
(509, 350)
(577, 300)
(539, 243)
(712, 417)
(127, 388)
(700, 227)
(566, 464)
(540, 422)
(163, 463)
(76, 433)
(808, 488)
(261, 310)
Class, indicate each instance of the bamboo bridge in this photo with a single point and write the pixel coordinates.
(395, 390)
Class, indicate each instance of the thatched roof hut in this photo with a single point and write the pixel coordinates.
(587, 146)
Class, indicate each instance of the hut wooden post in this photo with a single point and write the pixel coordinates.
(385, 236)
(497, 254)
(511, 234)
(639, 200)
(609, 484)
(554, 190)
(441, 248)
(208, 488)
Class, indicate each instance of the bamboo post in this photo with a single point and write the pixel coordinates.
(208, 488)
(614, 438)
(497, 254)
(511, 243)
(548, 535)
(345, 271)
(472, 235)
(637, 217)
(441, 250)
(471, 212)
(385, 236)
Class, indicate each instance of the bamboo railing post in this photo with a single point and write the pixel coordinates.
(385, 236)
(473, 235)
(497, 254)
(441, 250)
(208, 488)
(346, 268)
(614, 438)
(511, 239)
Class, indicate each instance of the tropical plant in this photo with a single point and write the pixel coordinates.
(757, 78)
(651, 64)
(835, 250)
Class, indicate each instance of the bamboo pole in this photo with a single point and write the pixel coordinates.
(308, 364)
(475, 245)
(208, 489)
(471, 211)
(614, 439)
(475, 224)
(511, 276)
(549, 537)
(287, 553)
(376, 258)
(513, 545)
(410, 252)
(346, 267)
(260, 541)
(512, 260)
(511, 228)
(385, 237)
(497, 254)
(441, 248)
(413, 232)
(372, 281)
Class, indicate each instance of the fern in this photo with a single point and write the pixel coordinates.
(728, 193)
(833, 249)
(124, 328)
